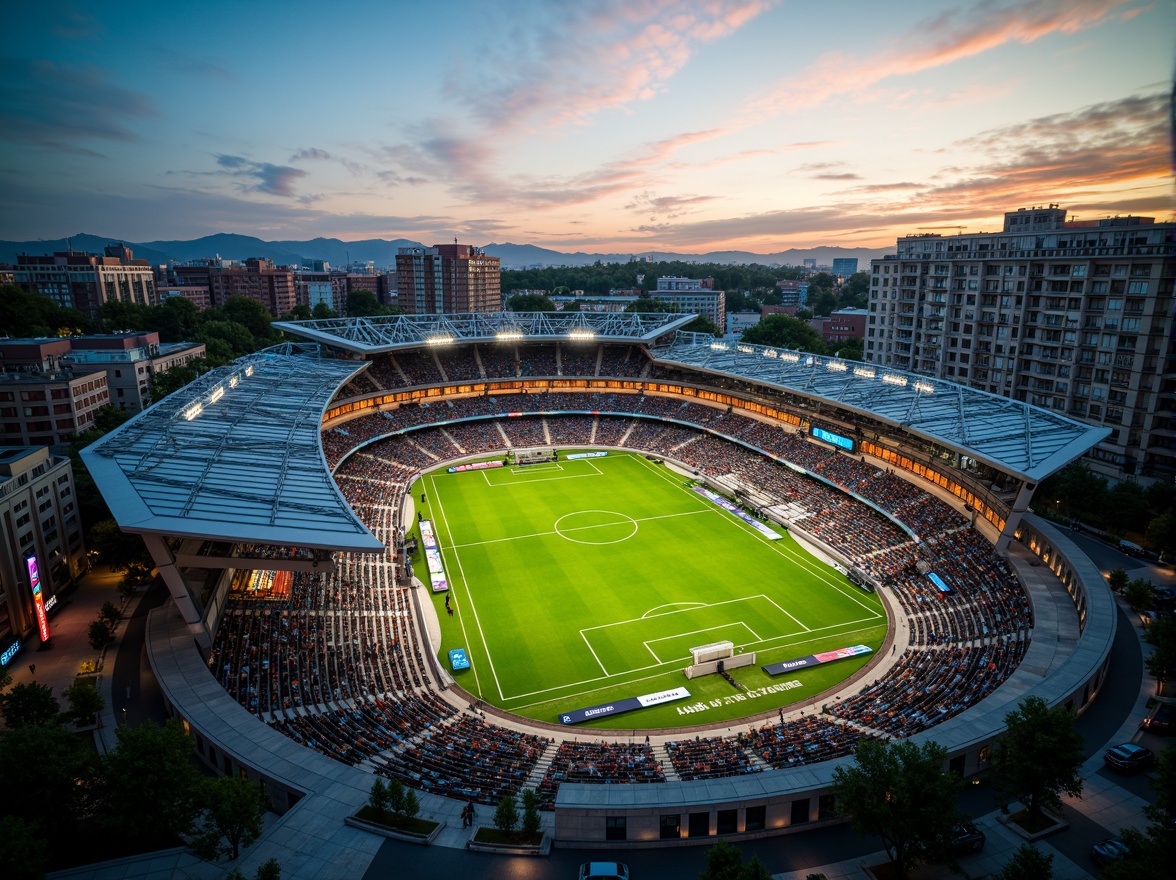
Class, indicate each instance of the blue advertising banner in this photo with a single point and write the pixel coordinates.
(722, 502)
(938, 581)
(816, 659)
(626, 705)
(576, 455)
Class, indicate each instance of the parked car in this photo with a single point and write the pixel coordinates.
(1106, 851)
(967, 838)
(1160, 720)
(604, 871)
(1128, 758)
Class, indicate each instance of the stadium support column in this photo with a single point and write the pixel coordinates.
(165, 561)
(1020, 505)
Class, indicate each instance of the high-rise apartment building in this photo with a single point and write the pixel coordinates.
(694, 295)
(843, 267)
(1072, 316)
(453, 278)
(85, 281)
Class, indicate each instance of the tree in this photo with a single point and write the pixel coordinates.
(783, 331)
(321, 311)
(235, 336)
(85, 701)
(1039, 758)
(1140, 594)
(900, 792)
(34, 314)
(378, 796)
(1161, 534)
(395, 796)
(251, 314)
(506, 815)
(271, 870)
(23, 854)
(232, 817)
(724, 861)
(531, 819)
(412, 805)
(110, 612)
(29, 705)
(1027, 863)
(822, 302)
(150, 787)
(364, 302)
(702, 324)
(100, 634)
(52, 770)
(1161, 635)
(530, 302)
(1117, 579)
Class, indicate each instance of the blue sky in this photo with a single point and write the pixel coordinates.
(625, 126)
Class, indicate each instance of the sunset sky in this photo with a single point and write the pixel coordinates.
(591, 125)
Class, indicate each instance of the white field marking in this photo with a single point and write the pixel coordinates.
(682, 611)
(804, 560)
(532, 469)
(621, 675)
(470, 595)
(590, 648)
(577, 528)
(782, 611)
(694, 632)
(683, 605)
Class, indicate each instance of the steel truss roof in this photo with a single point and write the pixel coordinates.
(235, 455)
(1009, 435)
(392, 332)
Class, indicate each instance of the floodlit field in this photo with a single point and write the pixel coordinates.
(583, 582)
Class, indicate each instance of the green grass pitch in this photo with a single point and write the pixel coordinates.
(583, 582)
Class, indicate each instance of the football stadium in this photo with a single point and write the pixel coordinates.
(666, 581)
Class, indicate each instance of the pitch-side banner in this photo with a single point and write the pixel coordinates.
(722, 502)
(433, 558)
(626, 705)
(816, 659)
(476, 466)
(576, 455)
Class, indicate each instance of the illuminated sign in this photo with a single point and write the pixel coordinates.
(9, 653)
(836, 439)
(38, 601)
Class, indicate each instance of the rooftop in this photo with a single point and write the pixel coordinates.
(1011, 436)
(395, 332)
(235, 456)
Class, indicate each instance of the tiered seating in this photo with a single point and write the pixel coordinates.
(710, 758)
(599, 762)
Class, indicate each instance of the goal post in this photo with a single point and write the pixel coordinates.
(716, 657)
(534, 455)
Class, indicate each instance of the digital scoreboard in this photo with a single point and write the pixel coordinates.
(837, 440)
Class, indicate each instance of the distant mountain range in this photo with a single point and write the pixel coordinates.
(228, 246)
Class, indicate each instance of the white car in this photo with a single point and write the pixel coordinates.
(604, 871)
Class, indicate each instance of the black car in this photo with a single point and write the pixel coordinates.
(967, 838)
(1129, 758)
(1106, 851)
(1160, 721)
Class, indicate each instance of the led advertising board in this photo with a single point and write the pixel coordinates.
(38, 600)
(845, 443)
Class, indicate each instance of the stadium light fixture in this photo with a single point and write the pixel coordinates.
(864, 372)
(440, 339)
(925, 387)
(217, 393)
(891, 379)
(771, 353)
(791, 358)
(837, 366)
(581, 334)
(192, 410)
(508, 335)
(718, 346)
(746, 349)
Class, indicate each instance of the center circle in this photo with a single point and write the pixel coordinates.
(595, 527)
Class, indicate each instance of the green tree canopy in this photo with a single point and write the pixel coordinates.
(1027, 863)
(1161, 635)
(24, 314)
(1152, 851)
(250, 314)
(530, 302)
(85, 701)
(321, 310)
(50, 767)
(23, 854)
(785, 332)
(724, 861)
(900, 792)
(1039, 757)
(364, 303)
(233, 809)
(149, 783)
(29, 705)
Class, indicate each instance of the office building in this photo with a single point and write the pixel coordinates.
(843, 267)
(1072, 316)
(272, 286)
(82, 281)
(695, 295)
(453, 278)
(41, 545)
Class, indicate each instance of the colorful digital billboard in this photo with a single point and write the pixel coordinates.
(38, 600)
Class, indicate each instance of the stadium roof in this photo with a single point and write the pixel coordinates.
(392, 332)
(236, 456)
(1009, 435)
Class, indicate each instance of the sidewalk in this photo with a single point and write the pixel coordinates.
(59, 666)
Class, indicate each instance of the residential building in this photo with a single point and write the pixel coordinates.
(841, 324)
(695, 295)
(447, 278)
(272, 286)
(793, 294)
(41, 545)
(1073, 316)
(843, 267)
(198, 296)
(84, 281)
(737, 322)
(44, 408)
(130, 360)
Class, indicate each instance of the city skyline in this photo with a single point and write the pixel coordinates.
(629, 126)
